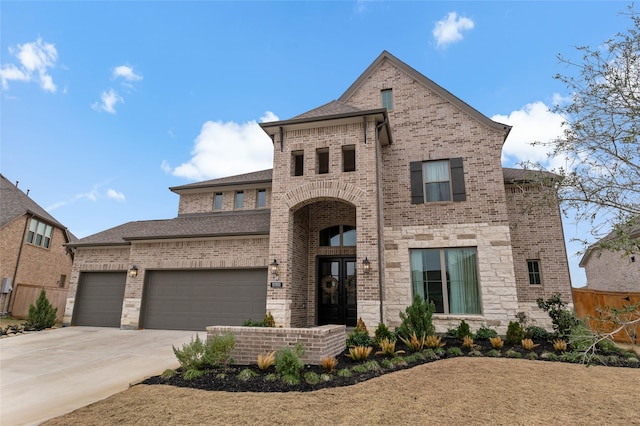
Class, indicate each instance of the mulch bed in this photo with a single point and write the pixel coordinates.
(227, 379)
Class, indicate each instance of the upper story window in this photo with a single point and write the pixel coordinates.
(387, 99)
(323, 160)
(349, 158)
(217, 201)
(39, 233)
(338, 236)
(261, 198)
(297, 163)
(239, 199)
(433, 181)
(535, 278)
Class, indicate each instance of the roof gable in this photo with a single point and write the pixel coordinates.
(428, 83)
(262, 176)
(15, 203)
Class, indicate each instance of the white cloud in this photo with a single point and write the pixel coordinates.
(533, 123)
(448, 30)
(35, 60)
(126, 72)
(115, 195)
(226, 149)
(108, 101)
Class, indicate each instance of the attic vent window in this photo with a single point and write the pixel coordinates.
(387, 99)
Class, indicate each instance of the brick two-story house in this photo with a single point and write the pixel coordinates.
(32, 252)
(393, 190)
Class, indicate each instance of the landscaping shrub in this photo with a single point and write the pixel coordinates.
(417, 318)
(42, 315)
(269, 321)
(197, 356)
(563, 319)
(485, 333)
(382, 332)
(535, 332)
(358, 338)
(289, 364)
(251, 323)
(463, 330)
(514, 333)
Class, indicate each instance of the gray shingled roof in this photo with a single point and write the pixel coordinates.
(252, 222)
(243, 179)
(328, 109)
(15, 203)
(523, 175)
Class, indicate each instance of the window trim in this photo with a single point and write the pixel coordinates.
(322, 156)
(264, 201)
(348, 148)
(445, 278)
(297, 163)
(40, 234)
(534, 274)
(238, 197)
(456, 177)
(217, 196)
(341, 232)
(387, 95)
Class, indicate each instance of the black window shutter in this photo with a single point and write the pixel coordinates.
(457, 179)
(415, 168)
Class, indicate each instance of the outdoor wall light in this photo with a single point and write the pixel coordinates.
(133, 272)
(366, 265)
(274, 268)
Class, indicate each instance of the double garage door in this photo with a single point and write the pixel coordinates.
(180, 300)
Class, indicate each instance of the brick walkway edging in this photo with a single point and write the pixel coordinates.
(318, 342)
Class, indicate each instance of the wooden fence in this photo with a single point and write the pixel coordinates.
(25, 295)
(587, 302)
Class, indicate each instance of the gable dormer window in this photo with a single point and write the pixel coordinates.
(387, 99)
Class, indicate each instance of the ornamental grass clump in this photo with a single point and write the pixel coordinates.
(359, 353)
(528, 344)
(388, 348)
(414, 342)
(467, 342)
(560, 345)
(266, 360)
(329, 363)
(496, 342)
(432, 342)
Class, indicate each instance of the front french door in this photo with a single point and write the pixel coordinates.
(337, 290)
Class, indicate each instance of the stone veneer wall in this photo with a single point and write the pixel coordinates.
(318, 342)
(495, 271)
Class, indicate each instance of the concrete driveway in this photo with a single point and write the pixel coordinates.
(50, 373)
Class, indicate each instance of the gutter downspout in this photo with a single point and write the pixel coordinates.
(15, 272)
(379, 219)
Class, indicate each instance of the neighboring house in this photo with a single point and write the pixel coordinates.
(33, 255)
(610, 270)
(395, 189)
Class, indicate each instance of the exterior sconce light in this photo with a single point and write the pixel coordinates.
(366, 265)
(274, 268)
(133, 272)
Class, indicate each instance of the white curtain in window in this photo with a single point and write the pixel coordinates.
(464, 297)
(436, 171)
(417, 274)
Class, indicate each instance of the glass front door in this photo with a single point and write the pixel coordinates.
(337, 291)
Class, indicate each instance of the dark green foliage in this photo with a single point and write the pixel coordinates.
(455, 351)
(359, 338)
(463, 330)
(536, 333)
(198, 356)
(417, 318)
(563, 319)
(382, 332)
(514, 333)
(42, 315)
(485, 333)
(513, 354)
(252, 323)
(288, 363)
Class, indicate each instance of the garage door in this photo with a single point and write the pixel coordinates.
(193, 300)
(99, 299)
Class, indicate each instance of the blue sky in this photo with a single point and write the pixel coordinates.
(105, 105)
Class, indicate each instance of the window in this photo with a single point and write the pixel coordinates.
(323, 161)
(239, 199)
(62, 281)
(217, 201)
(387, 99)
(338, 236)
(39, 233)
(535, 278)
(433, 181)
(298, 163)
(261, 198)
(349, 158)
(448, 277)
